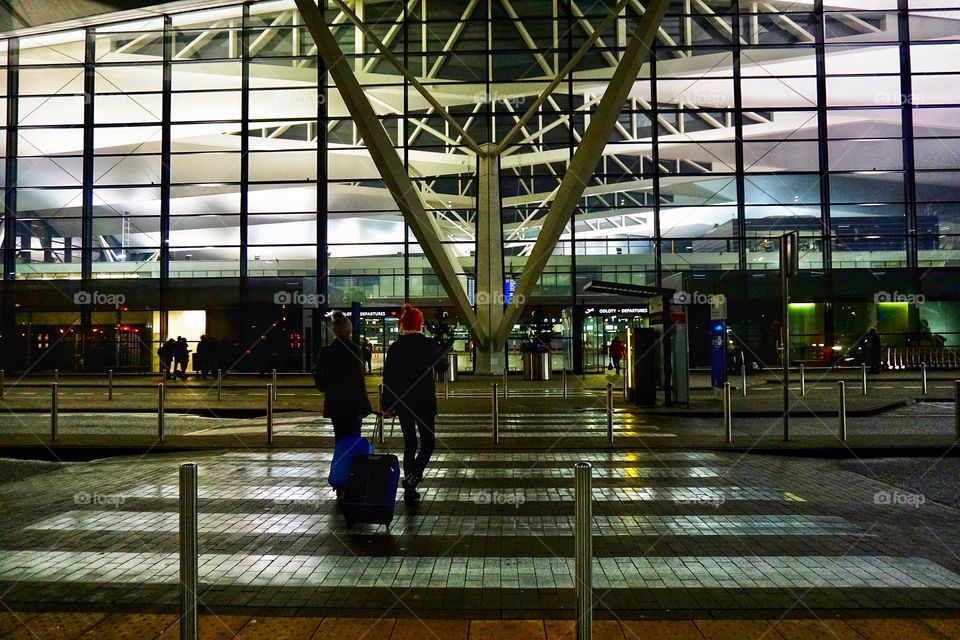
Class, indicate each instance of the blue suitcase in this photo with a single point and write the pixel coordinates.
(371, 494)
(343, 454)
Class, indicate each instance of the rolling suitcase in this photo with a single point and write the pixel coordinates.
(371, 494)
(343, 454)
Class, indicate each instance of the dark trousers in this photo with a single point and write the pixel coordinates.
(616, 365)
(414, 462)
(343, 427)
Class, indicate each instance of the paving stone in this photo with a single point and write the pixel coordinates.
(737, 630)
(949, 627)
(355, 629)
(876, 629)
(210, 627)
(660, 630)
(129, 627)
(55, 626)
(427, 629)
(822, 629)
(265, 628)
(513, 629)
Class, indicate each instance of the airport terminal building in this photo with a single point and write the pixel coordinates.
(198, 168)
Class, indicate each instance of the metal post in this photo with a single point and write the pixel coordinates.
(446, 388)
(626, 387)
(56, 375)
(610, 413)
(743, 379)
(923, 376)
(273, 386)
(566, 392)
(54, 412)
(863, 378)
(956, 407)
(160, 401)
(842, 409)
(189, 564)
(270, 392)
(2, 383)
(583, 550)
(506, 371)
(803, 381)
(380, 409)
(496, 415)
(219, 384)
(727, 412)
(110, 384)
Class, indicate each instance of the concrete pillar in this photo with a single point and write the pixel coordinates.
(489, 290)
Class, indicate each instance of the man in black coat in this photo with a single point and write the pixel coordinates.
(409, 392)
(345, 399)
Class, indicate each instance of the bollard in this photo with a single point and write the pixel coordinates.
(803, 381)
(270, 392)
(2, 382)
(274, 383)
(566, 392)
(583, 550)
(743, 379)
(54, 412)
(110, 384)
(727, 412)
(56, 375)
(506, 371)
(923, 377)
(863, 378)
(446, 388)
(380, 409)
(842, 409)
(189, 550)
(626, 387)
(609, 413)
(496, 415)
(956, 407)
(219, 384)
(160, 401)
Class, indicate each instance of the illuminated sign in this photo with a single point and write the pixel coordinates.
(623, 310)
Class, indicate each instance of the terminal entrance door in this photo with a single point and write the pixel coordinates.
(599, 328)
(381, 331)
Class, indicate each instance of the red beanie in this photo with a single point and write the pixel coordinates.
(411, 318)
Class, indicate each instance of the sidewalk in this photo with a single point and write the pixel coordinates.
(99, 626)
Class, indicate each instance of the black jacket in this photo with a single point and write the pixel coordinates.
(345, 394)
(408, 384)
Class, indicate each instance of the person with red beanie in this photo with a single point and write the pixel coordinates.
(409, 392)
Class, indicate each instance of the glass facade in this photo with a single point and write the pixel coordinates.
(202, 160)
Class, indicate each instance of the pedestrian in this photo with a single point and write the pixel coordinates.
(618, 352)
(181, 357)
(368, 354)
(199, 357)
(345, 400)
(873, 347)
(410, 393)
(166, 353)
(211, 360)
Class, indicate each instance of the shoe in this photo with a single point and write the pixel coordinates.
(411, 496)
(411, 482)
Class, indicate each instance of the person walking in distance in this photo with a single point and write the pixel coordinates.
(410, 393)
(618, 351)
(368, 354)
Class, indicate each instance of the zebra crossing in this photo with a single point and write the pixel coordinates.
(494, 533)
